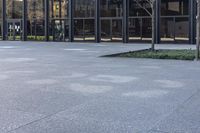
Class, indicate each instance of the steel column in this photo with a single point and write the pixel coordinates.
(46, 10)
(4, 22)
(24, 21)
(71, 20)
(157, 22)
(192, 21)
(97, 22)
(125, 21)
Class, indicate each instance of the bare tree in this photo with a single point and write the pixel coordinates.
(141, 4)
(198, 30)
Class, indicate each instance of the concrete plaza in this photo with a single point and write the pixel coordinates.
(51, 87)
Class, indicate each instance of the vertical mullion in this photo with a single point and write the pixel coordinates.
(97, 21)
(111, 28)
(192, 20)
(24, 21)
(60, 9)
(83, 28)
(157, 22)
(4, 22)
(46, 3)
(125, 21)
(71, 20)
(174, 21)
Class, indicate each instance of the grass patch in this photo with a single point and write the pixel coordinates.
(186, 54)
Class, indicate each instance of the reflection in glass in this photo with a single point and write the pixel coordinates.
(89, 29)
(0, 9)
(181, 29)
(78, 30)
(84, 30)
(0, 30)
(105, 30)
(84, 8)
(135, 29)
(140, 29)
(111, 20)
(14, 9)
(0, 20)
(116, 30)
(135, 10)
(174, 7)
(14, 17)
(139, 21)
(167, 29)
(59, 8)
(174, 24)
(174, 29)
(111, 30)
(36, 20)
(146, 29)
(14, 30)
(59, 26)
(111, 8)
(84, 24)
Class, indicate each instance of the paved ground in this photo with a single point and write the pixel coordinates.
(67, 88)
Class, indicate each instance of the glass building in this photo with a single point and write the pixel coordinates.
(97, 21)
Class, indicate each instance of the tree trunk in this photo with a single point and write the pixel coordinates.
(198, 30)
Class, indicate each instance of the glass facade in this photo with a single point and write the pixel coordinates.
(111, 20)
(174, 26)
(139, 21)
(96, 20)
(59, 20)
(84, 20)
(14, 19)
(1, 19)
(14, 9)
(35, 24)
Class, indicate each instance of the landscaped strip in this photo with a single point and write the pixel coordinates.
(185, 54)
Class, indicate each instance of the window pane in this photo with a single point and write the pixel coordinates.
(78, 29)
(136, 10)
(0, 9)
(59, 9)
(146, 29)
(89, 29)
(181, 29)
(36, 20)
(135, 29)
(167, 29)
(117, 30)
(14, 9)
(111, 8)
(174, 7)
(58, 30)
(84, 30)
(140, 29)
(84, 8)
(105, 30)
(0, 20)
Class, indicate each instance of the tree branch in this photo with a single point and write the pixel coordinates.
(151, 2)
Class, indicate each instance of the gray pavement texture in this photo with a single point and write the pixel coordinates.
(51, 87)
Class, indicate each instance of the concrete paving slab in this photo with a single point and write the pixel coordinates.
(60, 87)
(12, 119)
